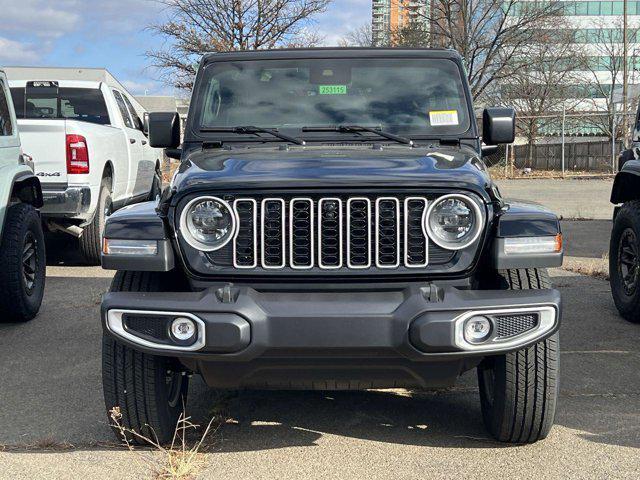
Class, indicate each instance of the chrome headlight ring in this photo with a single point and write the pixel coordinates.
(479, 218)
(188, 236)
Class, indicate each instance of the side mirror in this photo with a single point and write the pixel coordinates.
(145, 123)
(164, 129)
(498, 125)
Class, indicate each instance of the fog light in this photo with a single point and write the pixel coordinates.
(183, 329)
(477, 329)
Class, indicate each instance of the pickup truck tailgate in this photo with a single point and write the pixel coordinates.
(45, 141)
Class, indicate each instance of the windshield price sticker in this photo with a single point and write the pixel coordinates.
(333, 89)
(439, 118)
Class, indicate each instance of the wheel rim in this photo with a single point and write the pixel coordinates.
(174, 387)
(30, 263)
(628, 261)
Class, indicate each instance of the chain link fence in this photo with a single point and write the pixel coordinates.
(564, 143)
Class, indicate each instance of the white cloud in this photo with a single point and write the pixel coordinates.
(17, 53)
(53, 19)
(39, 18)
(140, 87)
(341, 17)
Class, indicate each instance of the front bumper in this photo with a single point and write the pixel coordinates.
(66, 202)
(418, 324)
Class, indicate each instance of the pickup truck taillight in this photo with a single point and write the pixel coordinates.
(77, 155)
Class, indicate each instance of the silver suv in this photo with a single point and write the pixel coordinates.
(22, 250)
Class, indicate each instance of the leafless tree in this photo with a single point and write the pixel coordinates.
(359, 37)
(195, 27)
(489, 34)
(542, 81)
(604, 77)
(414, 34)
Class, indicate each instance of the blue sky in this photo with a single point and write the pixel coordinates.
(112, 34)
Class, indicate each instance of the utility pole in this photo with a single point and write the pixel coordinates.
(564, 121)
(625, 68)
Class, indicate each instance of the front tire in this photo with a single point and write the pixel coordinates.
(149, 390)
(22, 264)
(624, 261)
(91, 238)
(519, 390)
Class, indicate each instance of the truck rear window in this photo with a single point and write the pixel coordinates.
(83, 104)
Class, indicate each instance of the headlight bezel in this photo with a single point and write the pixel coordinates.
(479, 217)
(188, 237)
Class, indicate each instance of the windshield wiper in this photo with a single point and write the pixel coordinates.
(254, 130)
(357, 129)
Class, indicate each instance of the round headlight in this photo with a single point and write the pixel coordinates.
(454, 221)
(208, 223)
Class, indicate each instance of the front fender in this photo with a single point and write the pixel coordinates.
(626, 185)
(139, 222)
(522, 220)
(12, 176)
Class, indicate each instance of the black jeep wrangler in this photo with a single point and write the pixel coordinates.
(624, 246)
(332, 225)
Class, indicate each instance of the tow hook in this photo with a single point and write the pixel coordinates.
(432, 293)
(225, 294)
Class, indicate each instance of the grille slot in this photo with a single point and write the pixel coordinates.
(301, 233)
(416, 247)
(359, 233)
(387, 242)
(330, 233)
(245, 246)
(273, 239)
(512, 325)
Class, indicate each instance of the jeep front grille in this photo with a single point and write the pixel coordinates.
(331, 233)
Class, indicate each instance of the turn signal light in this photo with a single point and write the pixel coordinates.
(129, 247)
(77, 155)
(525, 245)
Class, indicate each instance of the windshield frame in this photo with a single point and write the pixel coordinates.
(192, 127)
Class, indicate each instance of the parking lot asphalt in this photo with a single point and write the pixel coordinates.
(570, 198)
(586, 239)
(51, 394)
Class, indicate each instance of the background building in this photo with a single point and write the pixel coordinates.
(594, 32)
(390, 15)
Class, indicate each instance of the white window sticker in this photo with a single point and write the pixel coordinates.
(440, 118)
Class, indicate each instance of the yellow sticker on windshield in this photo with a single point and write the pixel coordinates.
(441, 118)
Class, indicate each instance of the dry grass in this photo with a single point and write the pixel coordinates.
(593, 267)
(47, 444)
(181, 460)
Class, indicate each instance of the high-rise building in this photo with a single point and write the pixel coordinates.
(390, 15)
(595, 32)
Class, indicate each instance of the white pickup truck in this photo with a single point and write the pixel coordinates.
(87, 137)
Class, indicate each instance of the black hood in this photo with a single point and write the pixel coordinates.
(332, 167)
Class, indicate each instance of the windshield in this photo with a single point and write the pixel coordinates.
(85, 104)
(404, 96)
